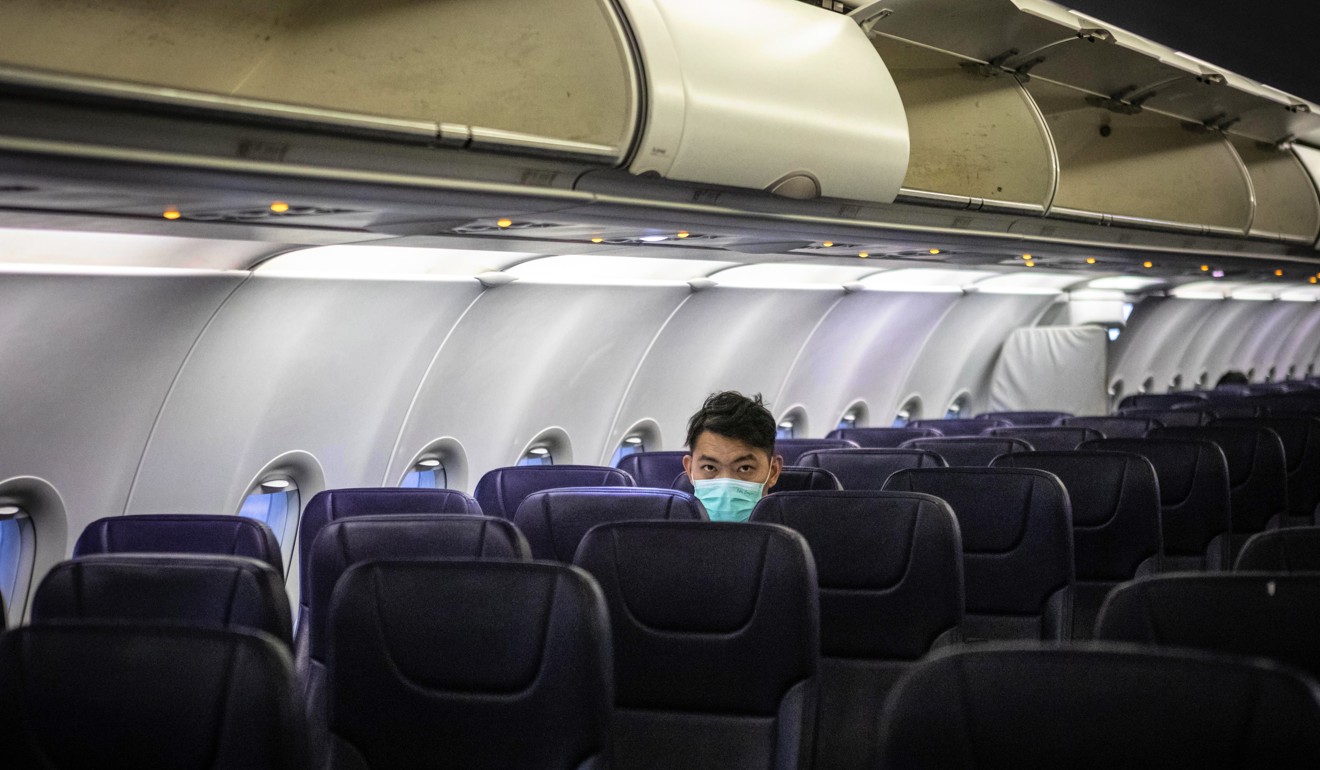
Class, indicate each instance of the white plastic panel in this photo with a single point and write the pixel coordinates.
(122, 250)
(788, 275)
(601, 269)
(387, 262)
(770, 95)
(925, 279)
(1027, 282)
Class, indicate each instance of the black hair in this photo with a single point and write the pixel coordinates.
(1233, 377)
(735, 416)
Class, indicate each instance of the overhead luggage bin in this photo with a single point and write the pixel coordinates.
(768, 95)
(1287, 208)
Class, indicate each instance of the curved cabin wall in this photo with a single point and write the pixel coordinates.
(1144, 167)
(550, 68)
(972, 136)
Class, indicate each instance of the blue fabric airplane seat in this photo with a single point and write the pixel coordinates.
(791, 479)
(1195, 512)
(716, 642)
(881, 438)
(1160, 400)
(868, 468)
(1017, 541)
(502, 490)
(969, 451)
(181, 533)
(961, 427)
(1257, 475)
(652, 469)
(1268, 615)
(1045, 438)
(345, 542)
(1024, 419)
(232, 592)
(1115, 500)
(889, 567)
(1301, 450)
(1099, 706)
(469, 664)
(1170, 418)
(1296, 549)
(1113, 427)
(555, 521)
(82, 694)
(792, 448)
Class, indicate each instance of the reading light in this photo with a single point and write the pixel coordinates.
(1026, 256)
(1205, 268)
(683, 233)
(279, 207)
(1217, 274)
(1278, 273)
(171, 214)
(827, 244)
(1313, 279)
(1148, 264)
(1090, 260)
(276, 484)
(1029, 263)
(651, 238)
(597, 240)
(934, 251)
(503, 223)
(863, 254)
(432, 463)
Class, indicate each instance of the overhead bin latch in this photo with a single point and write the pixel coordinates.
(867, 15)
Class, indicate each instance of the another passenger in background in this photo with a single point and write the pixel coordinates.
(732, 460)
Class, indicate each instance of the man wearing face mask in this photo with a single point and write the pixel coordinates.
(732, 460)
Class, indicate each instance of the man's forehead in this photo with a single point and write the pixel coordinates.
(722, 447)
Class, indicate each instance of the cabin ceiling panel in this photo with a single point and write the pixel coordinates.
(88, 362)
(326, 367)
(558, 69)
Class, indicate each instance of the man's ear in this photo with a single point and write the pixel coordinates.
(776, 466)
(687, 465)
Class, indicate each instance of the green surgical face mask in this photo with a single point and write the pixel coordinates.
(729, 499)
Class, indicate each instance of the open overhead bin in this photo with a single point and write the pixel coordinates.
(1286, 204)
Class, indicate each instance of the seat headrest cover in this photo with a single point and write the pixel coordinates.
(712, 617)
(445, 658)
(1016, 526)
(181, 533)
(1114, 427)
(232, 592)
(889, 566)
(1095, 706)
(1269, 615)
(334, 504)
(1047, 439)
(969, 451)
(1115, 502)
(1295, 549)
(556, 520)
(652, 469)
(868, 468)
(346, 542)
(963, 427)
(132, 695)
(1026, 418)
(792, 448)
(502, 490)
(882, 438)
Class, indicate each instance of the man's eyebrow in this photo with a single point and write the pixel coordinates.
(708, 458)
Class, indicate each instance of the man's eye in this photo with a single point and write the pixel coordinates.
(746, 469)
(708, 468)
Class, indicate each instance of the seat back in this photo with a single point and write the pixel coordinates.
(1099, 706)
(792, 448)
(716, 642)
(868, 468)
(1159, 400)
(555, 521)
(233, 592)
(882, 438)
(652, 469)
(1048, 439)
(502, 490)
(119, 695)
(1219, 410)
(1115, 518)
(1025, 418)
(1195, 512)
(791, 479)
(1257, 475)
(1266, 615)
(1301, 450)
(181, 533)
(963, 427)
(1170, 418)
(472, 664)
(1296, 549)
(969, 451)
(1016, 528)
(889, 567)
(1114, 427)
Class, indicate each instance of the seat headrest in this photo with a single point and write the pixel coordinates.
(791, 479)
(181, 533)
(232, 592)
(444, 658)
(713, 617)
(652, 469)
(881, 438)
(792, 448)
(1047, 438)
(1026, 418)
(346, 542)
(889, 567)
(1257, 470)
(502, 490)
(1114, 427)
(1295, 549)
(969, 451)
(868, 468)
(555, 520)
(963, 427)
(132, 695)
(1094, 706)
